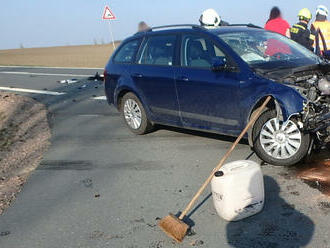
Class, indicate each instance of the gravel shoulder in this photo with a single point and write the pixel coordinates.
(24, 138)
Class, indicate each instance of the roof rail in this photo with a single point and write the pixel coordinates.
(176, 26)
(249, 25)
(173, 26)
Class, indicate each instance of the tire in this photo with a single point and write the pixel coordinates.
(134, 115)
(279, 143)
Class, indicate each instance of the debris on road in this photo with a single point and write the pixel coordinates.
(68, 81)
(96, 77)
(24, 135)
(87, 182)
(197, 243)
(5, 233)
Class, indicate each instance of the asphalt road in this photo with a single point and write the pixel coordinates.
(101, 186)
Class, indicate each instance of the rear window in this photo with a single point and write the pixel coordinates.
(127, 52)
(158, 50)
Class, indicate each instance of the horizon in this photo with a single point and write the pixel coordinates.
(63, 23)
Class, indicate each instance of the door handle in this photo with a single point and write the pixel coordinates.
(183, 78)
(137, 75)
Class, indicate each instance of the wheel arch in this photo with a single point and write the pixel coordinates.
(120, 96)
(120, 93)
(273, 104)
(286, 103)
(123, 90)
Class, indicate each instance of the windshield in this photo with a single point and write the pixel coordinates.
(268, 51)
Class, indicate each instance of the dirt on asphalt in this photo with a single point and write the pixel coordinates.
(316, 171)
(24, 138)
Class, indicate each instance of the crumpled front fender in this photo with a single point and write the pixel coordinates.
(289, 100)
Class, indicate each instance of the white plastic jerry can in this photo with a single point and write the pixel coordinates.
(238, 190)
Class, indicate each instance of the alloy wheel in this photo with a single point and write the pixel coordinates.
(280, 140)
(132, 114)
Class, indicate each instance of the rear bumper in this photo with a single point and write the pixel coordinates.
(108, 92)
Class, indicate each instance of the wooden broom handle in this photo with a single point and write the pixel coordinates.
(224, 158)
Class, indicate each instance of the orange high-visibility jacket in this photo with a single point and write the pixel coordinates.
(324, 26)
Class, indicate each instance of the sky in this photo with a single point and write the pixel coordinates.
(42, 23)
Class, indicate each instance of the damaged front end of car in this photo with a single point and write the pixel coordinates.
(314, 86)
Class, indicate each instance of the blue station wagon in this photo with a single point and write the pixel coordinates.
(214, 79)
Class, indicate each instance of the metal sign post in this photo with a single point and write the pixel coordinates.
(108, 15)
(113, 41)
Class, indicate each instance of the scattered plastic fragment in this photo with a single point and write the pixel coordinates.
(5, 233)
(68, 81)
(197, 243)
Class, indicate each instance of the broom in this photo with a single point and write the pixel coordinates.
(173, 226)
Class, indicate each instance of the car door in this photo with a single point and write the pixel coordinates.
(153, 76)
(208, 99)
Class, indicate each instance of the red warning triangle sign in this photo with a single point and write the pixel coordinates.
(107, 14)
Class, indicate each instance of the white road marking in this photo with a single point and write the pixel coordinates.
(42, 74)
(44, 92)
(99, 98)
(46, 67)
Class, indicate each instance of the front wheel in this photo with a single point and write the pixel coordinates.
(134, 114)
(277, 142)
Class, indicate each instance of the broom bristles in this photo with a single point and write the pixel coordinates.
(173, 227)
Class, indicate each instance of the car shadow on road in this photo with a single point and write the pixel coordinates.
(280, 224)
(200, 134)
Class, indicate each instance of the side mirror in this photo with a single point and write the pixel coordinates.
(219, 64)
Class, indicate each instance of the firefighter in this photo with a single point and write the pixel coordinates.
(300, 32)
(210, 18)
(323, 25)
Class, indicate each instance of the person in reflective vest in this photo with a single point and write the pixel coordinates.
(322, 25)
(300, 33)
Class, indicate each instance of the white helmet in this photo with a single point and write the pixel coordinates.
(322, 10)
(210, 17)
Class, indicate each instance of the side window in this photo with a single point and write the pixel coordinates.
(126, 52)
(198, 52)
(158, 50)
